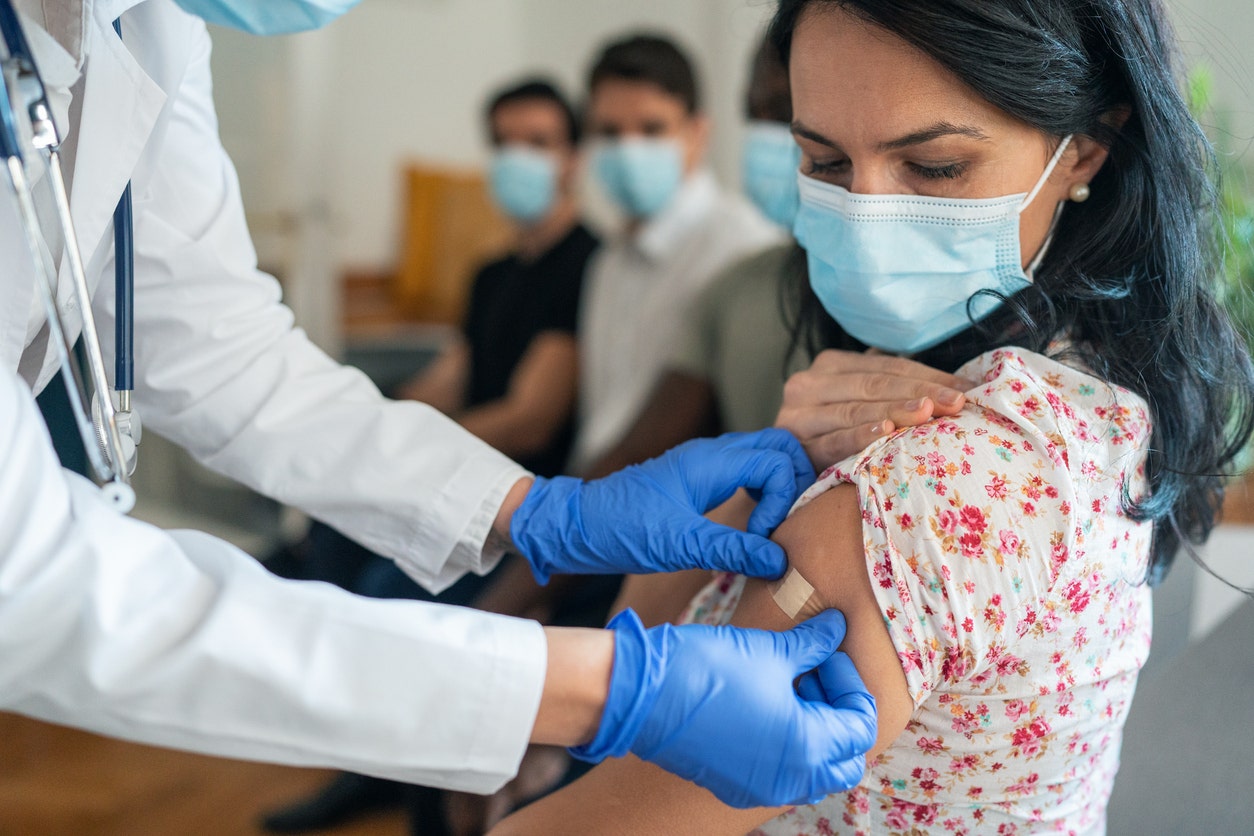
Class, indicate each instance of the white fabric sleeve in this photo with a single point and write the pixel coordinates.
(180, 640)
(221, 370)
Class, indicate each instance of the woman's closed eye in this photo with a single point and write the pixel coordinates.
(822, 169)
(825, 168)
(949, 171)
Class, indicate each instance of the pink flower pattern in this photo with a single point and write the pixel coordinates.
(1011, 583)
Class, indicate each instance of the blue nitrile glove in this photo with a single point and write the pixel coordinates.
(647, 518)
(716, 705)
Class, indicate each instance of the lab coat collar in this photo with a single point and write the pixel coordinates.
(64, 20)
(60, 69)
(110, 10)
(665, 232)
(67, 20)
(120, 108)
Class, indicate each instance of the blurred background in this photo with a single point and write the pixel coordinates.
(360, 152)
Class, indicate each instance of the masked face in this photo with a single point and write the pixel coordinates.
(523, 182)
(268, 17)
(903, 273)
(533, 158)
(922, 202)
(641, 176)
(646, 144)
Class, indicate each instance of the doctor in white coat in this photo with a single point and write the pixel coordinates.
(177, 639)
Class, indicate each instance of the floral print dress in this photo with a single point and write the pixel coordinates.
(1012, 585)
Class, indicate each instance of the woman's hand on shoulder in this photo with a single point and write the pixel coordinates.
(846, 400)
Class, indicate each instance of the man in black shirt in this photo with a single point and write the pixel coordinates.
(510, 378)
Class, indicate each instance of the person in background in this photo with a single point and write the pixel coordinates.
(735, 324)
(681, 230)
(509, 378)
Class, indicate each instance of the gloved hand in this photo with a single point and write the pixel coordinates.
(647, 518)
(716, 705)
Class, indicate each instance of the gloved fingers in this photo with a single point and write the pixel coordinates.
(713, 479)
(813, 641)
(831, 778)
(770, 476)
(725, 549)
(809, 688)
(849, 710)
(783, 441)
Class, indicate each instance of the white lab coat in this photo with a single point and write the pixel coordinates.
(175, 638)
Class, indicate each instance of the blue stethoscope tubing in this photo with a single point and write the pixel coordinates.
(102, 433)
(124, 285)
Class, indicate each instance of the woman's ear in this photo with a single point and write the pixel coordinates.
(1090, 155)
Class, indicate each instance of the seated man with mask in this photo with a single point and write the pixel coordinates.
(509, 378)
(681, 229)
(725, 370)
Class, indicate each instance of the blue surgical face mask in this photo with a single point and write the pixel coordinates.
(640, 175)
(770, 162)
(269, 17)
(901, 273)
(523, 182)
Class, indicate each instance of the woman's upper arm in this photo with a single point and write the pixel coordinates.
(824, 544)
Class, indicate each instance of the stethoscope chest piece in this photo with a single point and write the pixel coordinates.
(130, 430)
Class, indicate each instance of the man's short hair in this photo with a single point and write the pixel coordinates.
(537, 89)
(649, 58)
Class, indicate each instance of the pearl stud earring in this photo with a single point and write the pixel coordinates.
(1079, 192)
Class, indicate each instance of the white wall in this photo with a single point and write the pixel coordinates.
(407, 78)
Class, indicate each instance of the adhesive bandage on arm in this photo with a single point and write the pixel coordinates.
(795, 596)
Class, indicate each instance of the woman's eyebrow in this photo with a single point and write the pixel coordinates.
(799, 129)
(933, 132)
(914, 138)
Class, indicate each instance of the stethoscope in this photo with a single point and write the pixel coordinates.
(110, 432)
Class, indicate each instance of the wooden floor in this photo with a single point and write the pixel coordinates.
(61, 782)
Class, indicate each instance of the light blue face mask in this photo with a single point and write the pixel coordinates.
(269, 17)
(640, 175)
(523, 182)
(901, 273)
(769, 171)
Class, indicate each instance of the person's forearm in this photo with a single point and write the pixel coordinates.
(517, 430)
(499, 536)
(442, 384)
(576, 685)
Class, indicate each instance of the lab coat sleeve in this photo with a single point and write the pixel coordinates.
(180, 640)
(222, 371)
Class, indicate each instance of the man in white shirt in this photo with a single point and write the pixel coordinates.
(682, 229)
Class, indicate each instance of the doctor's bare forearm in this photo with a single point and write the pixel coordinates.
(576, 685)
(499, 536)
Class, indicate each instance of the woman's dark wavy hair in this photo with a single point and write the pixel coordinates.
(1131, 274)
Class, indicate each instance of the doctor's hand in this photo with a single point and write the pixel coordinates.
(847, 399)
(647, 518)
(717, 706)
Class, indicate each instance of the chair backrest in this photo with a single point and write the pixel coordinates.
(449, 228)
